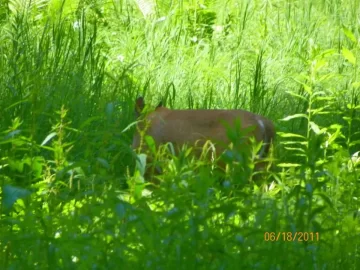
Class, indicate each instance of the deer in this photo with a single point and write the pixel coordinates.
(195, 128)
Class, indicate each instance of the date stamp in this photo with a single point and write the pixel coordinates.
(291, 236)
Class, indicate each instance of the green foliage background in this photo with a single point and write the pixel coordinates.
(69, 75)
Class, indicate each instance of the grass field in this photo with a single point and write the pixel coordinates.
(73, 195)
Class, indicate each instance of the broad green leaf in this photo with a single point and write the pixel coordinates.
(319, 64)
(288, 165)
(48, 138)
(141, 163)
(294, 116)
(349, 34)
(315, 128)
(355, 84)
(150, 143)
(349, 56)
(290, 135)
(352, 106)
(295, 149)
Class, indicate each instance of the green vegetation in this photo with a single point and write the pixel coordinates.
(71, 195)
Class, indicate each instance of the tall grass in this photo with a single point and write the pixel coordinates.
(73, 192)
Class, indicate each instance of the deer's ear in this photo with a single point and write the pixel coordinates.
(139, 105)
